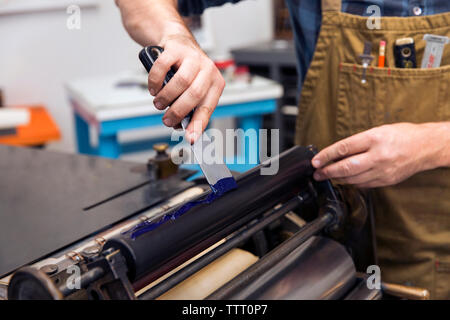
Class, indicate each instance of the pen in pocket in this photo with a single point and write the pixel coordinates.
(382, 54)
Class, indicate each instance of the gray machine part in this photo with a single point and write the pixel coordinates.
(320, 268)
(50, 200)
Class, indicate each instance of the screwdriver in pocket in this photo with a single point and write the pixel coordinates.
(366, 59)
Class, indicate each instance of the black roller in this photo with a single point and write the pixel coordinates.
(181, 239)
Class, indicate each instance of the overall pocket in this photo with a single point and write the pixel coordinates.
(390, 95)
(415, 214)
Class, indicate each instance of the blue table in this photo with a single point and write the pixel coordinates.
(132, 108)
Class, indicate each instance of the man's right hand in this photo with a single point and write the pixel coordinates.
(197, 82)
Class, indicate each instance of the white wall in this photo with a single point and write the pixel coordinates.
(38, 54)
(239, 25)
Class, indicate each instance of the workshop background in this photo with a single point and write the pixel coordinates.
(39, 54)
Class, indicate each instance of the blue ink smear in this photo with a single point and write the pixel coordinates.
(221, 187)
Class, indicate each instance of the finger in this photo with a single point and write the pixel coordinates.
(347, 167)
(159, 71)
(355, 144)
(180, 82)
(202, 114)
(188, 100)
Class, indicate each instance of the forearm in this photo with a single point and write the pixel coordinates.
(197, 84)
(150, 22)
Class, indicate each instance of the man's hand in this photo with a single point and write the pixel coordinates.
(197, 82)
(385, 155)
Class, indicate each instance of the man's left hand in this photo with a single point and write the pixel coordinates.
(381, 156)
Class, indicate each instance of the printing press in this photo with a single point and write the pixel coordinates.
(281, 236)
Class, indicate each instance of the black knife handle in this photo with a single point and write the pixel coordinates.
(148, 56)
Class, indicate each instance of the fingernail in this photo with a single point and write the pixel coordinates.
(168, 122)
(317, 176)
(158, 105)
(316, 163)
(153, 92)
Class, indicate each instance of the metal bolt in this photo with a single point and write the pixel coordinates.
(50, 269)
(160, 147)
(74, 256)
(100, 241)
(90, 251)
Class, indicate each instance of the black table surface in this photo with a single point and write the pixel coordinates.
(49, 200)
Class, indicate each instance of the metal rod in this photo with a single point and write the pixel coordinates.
(266, 262)
(405, 292)
(231, 243)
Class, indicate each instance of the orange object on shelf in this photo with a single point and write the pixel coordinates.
(40, 130)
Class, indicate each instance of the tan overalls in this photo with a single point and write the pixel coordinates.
(413, 217)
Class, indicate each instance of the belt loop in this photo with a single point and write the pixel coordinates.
(331, 5)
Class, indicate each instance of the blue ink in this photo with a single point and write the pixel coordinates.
(222, 186)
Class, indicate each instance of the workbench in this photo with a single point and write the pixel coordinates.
(112, 104)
